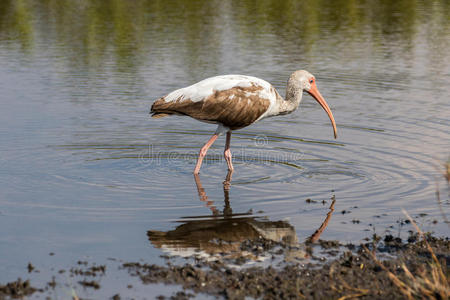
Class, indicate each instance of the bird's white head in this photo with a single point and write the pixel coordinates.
(307, 82)
(302, 79)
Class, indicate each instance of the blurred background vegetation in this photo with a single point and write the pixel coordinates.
(92, 33)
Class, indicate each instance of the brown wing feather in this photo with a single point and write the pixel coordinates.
(234, 108)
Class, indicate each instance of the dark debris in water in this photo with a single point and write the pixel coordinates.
(116, 297)
(309, 200)
(30, 267)
(90, 283)
(89, 271)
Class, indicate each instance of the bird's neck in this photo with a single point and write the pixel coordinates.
(293, 98)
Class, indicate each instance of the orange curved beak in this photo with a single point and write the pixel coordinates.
(314, 91)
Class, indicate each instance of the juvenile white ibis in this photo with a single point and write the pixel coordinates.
(236, 101)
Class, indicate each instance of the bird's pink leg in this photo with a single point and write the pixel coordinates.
(203, 151)
(227, 152)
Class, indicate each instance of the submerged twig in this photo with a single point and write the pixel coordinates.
(446, 174)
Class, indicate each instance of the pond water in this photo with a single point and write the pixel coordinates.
(85, 172)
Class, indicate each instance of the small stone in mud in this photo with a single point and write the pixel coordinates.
(412, 239)
(388, 238)
(116, 297)
(51, 254)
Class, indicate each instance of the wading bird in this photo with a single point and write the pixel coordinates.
(236, 101)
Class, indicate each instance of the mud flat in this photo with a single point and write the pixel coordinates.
(353, 273)
(341, 272)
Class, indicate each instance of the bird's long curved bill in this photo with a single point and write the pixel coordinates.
(314, 91)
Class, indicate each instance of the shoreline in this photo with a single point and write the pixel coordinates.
(353, 272)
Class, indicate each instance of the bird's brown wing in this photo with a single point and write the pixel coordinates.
(234, 108)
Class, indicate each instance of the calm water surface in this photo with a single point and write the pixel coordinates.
(85, 173)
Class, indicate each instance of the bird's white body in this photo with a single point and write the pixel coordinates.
(206, 88)
(234, 102)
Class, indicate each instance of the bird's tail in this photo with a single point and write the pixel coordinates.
(157, 110)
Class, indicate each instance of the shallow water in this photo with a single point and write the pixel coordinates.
(84, 171)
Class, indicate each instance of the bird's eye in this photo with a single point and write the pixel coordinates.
(311, 81)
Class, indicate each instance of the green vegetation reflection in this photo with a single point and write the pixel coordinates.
(129, 31)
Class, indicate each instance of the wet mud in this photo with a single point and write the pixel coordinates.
(351, 273)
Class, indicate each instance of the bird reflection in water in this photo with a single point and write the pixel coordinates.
(223, 233)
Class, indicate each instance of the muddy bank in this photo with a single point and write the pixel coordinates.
(351, 272)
